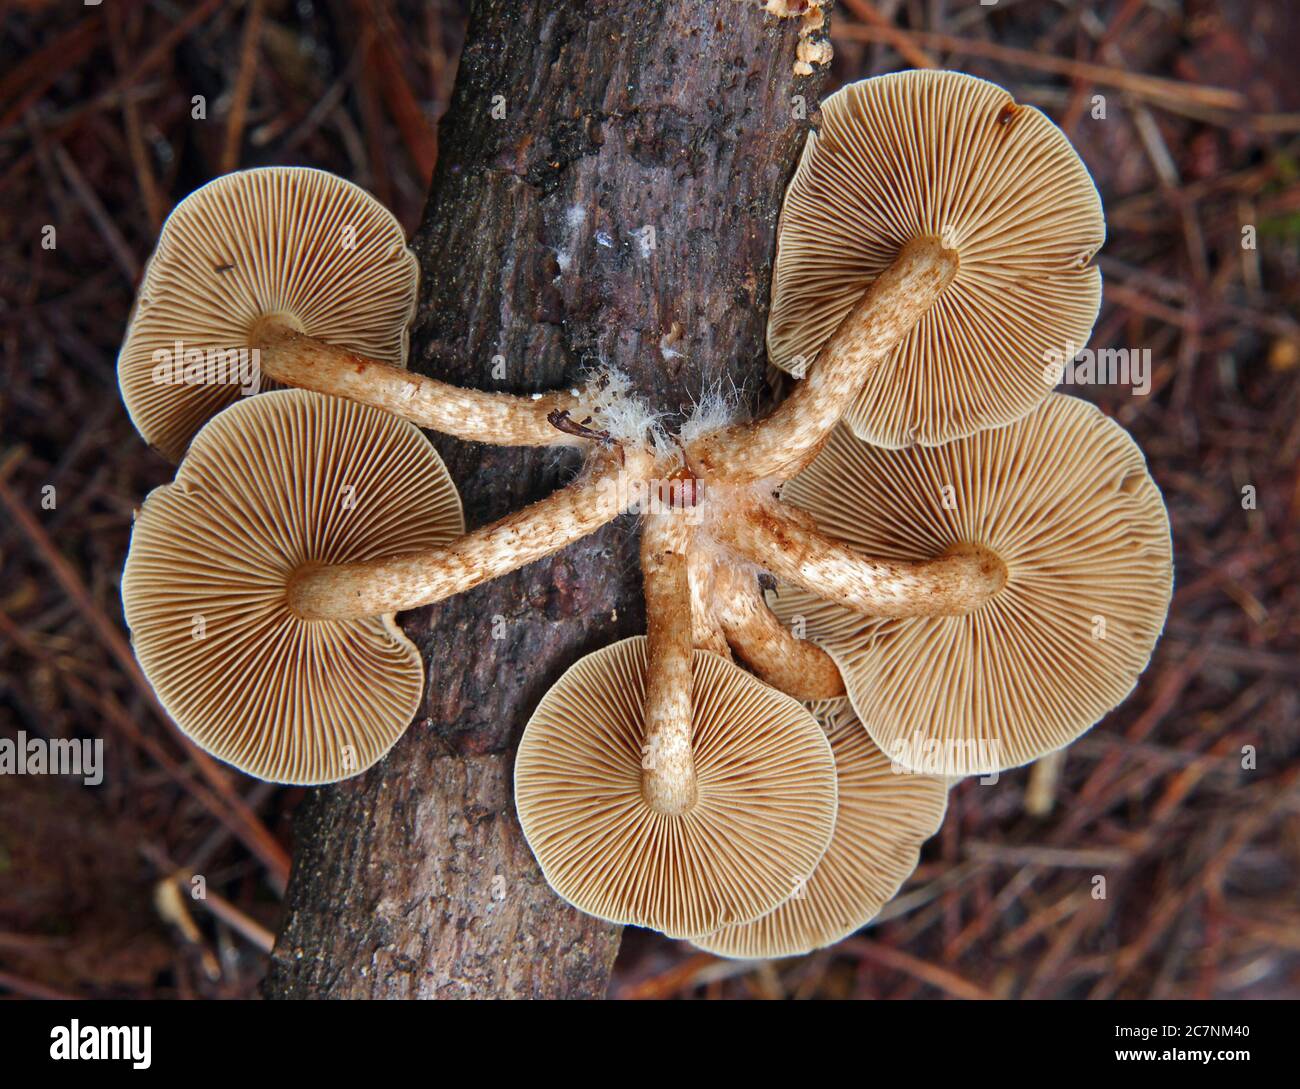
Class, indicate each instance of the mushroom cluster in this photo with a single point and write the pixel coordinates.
(971, 569)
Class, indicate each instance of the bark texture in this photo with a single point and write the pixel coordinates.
(616, 204)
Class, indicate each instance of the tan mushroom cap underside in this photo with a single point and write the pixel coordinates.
(941, 154)
(763, 819)
(277, 481)
(1064, 498)
(299, 244)
(885, 814)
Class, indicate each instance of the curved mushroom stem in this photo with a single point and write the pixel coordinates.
(795, 666)
(702, 570)
(294, 359)
(668, 776)
(960, 580)
(378, 587)
(788, 438)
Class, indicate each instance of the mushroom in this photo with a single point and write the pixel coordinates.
(276, 482)
(758, 822)
(260, 586)
(1063, 499)
(300, 277)
(1006, 586)
(932, 154)
(883, 816)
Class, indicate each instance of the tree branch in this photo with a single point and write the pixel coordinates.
(607, 174)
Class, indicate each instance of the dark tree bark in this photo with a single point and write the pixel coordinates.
(616, 204)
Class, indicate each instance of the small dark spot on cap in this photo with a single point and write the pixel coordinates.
(1008, 113)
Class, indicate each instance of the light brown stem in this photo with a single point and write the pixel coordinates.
(795, 666)
(960, 580)
(668, 775)
(295, 359)
(377, 587)
(787, 439)
(706, 631)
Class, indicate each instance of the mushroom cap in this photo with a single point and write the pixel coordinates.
(290, 242)
(763, 819)
(929, 153)
(272, 483)
(885, 814)
(1064, 498)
